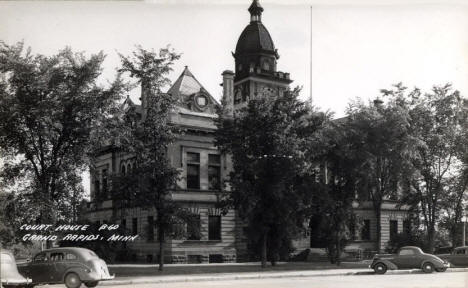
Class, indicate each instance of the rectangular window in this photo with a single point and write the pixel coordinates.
(365, 232)
(215, 258)
(97, 189)
(214, 172)
(123, 225)
(193, 170)
(135, 226)
(393, 229)
(150, 229)
(193, 229)
(352, 230)
(104, 183)
(214, 227)
(407, 226)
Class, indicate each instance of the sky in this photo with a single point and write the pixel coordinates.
(358, 46)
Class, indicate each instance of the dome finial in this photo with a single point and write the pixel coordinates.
(255, 11)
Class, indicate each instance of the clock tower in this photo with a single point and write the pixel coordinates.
(255, 59)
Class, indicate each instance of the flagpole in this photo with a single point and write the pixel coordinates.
(310, 93)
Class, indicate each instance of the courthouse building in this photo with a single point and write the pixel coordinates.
(218, 237)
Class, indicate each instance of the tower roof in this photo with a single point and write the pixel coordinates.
(255, 8)
(186, 84)
(255, 37)
(186, 88)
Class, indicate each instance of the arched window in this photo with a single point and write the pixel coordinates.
(122, 170)
(129, 168)
(266, 66)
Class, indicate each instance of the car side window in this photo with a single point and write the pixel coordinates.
(70, 256)
(404, 252)
(460, 251)
(41, 257)
(57, 256)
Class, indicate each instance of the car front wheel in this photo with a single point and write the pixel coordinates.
(91, 284)
(72, 280)
(380, 268)
(428, 267)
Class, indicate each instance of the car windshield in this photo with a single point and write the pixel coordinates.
(6, 258)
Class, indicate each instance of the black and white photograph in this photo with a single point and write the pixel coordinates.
(234, 143)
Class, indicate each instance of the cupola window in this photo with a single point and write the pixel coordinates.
(201, 101)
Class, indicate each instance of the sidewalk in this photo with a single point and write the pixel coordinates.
(254, 275)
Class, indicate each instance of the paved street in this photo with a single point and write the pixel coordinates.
(420, 280)
(439, 280)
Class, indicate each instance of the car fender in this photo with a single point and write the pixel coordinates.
(79, 269)
(390, 265)
(436, 263)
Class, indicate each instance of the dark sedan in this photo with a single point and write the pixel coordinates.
(408, 257)
(71, 266)
(458, 258)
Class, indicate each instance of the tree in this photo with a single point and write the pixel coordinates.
(333, 185)
(149, 138)
(49, 106)
(383, 145)
(439, 123)
(266, 140)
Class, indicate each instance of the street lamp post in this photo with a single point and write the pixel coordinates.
(464, 220)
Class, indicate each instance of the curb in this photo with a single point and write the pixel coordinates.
(194, 278)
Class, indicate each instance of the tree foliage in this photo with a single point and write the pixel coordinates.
(49, 106)
(267, 140)
(333, 184)
(382, 142)
(147, 136)
(439, 123)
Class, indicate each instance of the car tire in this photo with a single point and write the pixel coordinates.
(380, 268)
(428, 267)
(72, 280)
(92, 284)
(441, 269)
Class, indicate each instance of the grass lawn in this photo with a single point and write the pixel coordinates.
(144, 270)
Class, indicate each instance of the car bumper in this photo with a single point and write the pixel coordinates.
(93, 276)
(15, 281)
(110, 277)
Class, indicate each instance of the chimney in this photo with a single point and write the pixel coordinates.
(378, 102)
(145, 94)
(228, 92)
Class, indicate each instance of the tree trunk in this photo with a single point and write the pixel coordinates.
(338, 251)
(161, 249)
(264, 249)
(431, 236)
(378, 226)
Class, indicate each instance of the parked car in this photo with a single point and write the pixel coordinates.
(408, 257)
(458, 257)
(69, 265)
(9, 275)
(443, 250)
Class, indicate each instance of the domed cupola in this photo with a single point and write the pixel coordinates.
(255, 50)
(255, 74)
